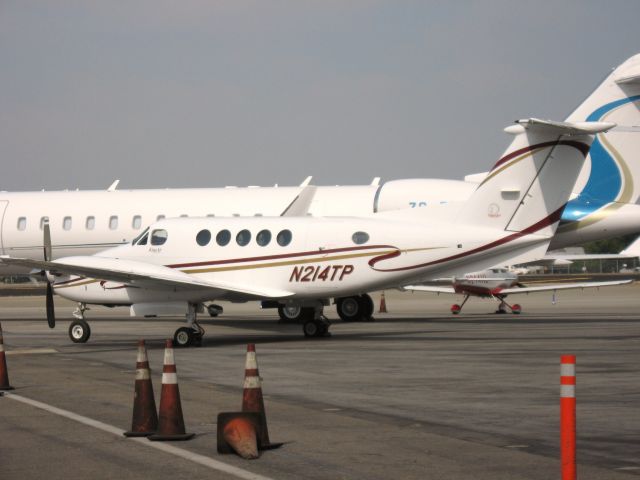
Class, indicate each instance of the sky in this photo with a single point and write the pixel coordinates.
(204, 93)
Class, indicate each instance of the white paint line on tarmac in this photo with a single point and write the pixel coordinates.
(165, 447)
(30, 351)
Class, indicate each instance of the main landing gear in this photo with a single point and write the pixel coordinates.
(192, 334)
(356, 308)
(502, 308)
(314, 323)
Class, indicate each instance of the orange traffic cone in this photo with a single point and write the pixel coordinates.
(4, 373)
(171, 423)
(145, 418)
(383, 304)
(252, 396)
(238, 432)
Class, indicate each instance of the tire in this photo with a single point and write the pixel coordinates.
(290, 313)
(311, 328)
(366, 303)
(349, 309)
(79, 331)
(183, 337)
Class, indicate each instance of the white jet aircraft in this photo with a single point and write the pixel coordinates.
(498, 283)
(306, 261)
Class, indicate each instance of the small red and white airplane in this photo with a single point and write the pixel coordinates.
(498, 283)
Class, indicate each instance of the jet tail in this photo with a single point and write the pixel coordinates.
(612, 173)
(528, 187)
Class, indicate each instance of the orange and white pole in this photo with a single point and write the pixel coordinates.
(568, 416)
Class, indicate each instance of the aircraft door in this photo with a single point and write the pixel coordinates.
(3, 208)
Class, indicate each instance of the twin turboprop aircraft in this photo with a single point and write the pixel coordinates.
(498, 283)
(304, 261)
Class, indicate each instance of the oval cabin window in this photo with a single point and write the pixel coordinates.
(243, 237)
(284, 238)
(203, 237)
(263, 238)
(223, 237)
(360, 237)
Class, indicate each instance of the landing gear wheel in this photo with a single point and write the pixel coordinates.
(183, 337)
(455, 309)
(315, 328)
(367, 307)
(79, 331)
(214, 310)
(290, 313)
(349, 309)
(516, 309)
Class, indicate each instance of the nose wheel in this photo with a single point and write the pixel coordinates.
(79, 331)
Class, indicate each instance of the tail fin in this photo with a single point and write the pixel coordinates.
(528, 187)
(612, 172)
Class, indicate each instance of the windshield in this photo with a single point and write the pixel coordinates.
(135, 240)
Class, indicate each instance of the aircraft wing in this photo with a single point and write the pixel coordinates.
(141, 274)
(562, 286)
(425, 288)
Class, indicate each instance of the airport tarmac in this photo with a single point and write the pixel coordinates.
(418, 393)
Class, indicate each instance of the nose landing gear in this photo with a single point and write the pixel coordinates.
(192, 334)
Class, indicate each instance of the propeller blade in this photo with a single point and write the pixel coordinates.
(51, 316)
(47, 241)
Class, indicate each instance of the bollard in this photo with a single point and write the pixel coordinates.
(568, 416)
(383, 304)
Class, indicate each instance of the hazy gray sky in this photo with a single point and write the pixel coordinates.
(211, 93)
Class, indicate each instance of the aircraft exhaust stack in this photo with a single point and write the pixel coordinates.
(170, 420)
(4, 373)
(145, 417)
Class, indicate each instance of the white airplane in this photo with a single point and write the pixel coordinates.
(306, 261)
(604, 203)
(498, 283)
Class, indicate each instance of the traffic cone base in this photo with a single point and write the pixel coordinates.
(239, 432)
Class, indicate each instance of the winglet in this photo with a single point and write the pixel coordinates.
(300, 205)
(113, 186)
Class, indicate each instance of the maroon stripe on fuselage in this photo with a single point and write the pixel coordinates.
(545, 222)
(582, 147)
(276, 257)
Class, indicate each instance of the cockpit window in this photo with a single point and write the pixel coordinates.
(158, 237)
(138, 240)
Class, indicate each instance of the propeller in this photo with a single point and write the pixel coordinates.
(51, 316)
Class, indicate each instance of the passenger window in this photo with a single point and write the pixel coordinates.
(284, 238)
(203, 238)
(43, 220)
(136, 223)
(22, 223)
(90, 224)
(66, 223)
(360, 237)
(243, 237)
(263, 238)
(159, 237)
(160, 217)
(113, 222)
(223, 238)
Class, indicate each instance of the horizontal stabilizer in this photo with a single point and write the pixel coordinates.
(561, 128)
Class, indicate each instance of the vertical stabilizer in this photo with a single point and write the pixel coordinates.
(529, 186)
